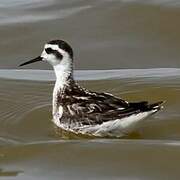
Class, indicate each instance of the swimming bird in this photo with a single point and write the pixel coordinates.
(79, 110)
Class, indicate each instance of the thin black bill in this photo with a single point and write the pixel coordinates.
(32, 61)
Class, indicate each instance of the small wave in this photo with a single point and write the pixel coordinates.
(15, 13)
(48, 75)
(166, 3)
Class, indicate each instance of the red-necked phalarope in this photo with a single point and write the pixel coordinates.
(82, 111)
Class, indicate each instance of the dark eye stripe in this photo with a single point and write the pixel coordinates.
(55, 52)
(58, 54)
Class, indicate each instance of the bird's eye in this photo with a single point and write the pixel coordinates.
(54, 52)
(48, 50)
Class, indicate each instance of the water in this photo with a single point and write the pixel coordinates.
(32, 149)
(135, 43)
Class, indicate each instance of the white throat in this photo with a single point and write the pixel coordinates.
(63, 71)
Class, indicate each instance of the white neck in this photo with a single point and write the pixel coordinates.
(62, 74)
(62, 71)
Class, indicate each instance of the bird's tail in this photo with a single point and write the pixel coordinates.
(143, 109)
(145, 106)
(156, 106)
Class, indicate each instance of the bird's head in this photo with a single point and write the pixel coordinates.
(55, 52)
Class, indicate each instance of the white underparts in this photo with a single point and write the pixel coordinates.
(57, 116)
(115, 128)
(118, 127)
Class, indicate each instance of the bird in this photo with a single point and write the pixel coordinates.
(82, 111)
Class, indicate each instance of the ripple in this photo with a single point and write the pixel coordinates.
(26, 96)
(167, 3)
(48, 75)
(15, 14)
(9, 173)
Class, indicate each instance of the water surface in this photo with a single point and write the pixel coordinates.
(135, 43)
(31, 148)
